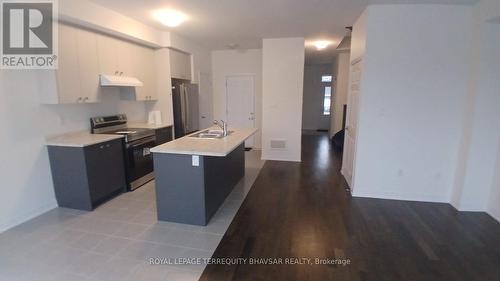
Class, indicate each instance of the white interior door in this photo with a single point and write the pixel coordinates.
(351, 123)
(240, 103)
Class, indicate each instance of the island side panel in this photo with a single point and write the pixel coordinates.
(180, 192)
(221, 176)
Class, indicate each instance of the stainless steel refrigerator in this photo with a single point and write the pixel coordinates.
(185, 102)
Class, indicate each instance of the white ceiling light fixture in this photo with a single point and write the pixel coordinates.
(321, 44)
(170, 17)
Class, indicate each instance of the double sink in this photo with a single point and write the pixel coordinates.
(210, 134)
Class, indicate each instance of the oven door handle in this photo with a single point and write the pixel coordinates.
(141, 142)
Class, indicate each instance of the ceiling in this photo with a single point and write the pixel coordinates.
(216, 24)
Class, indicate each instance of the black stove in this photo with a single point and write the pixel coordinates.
(117, 125)
(132, 134)
(138, 142)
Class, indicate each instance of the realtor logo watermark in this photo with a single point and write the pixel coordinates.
(29, 34)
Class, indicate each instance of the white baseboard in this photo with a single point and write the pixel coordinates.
(496, 217)
(26, 216)
(422, 198)
(392, 196)
(284, 159)
(469, 208)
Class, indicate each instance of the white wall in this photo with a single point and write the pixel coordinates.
(95, 17)
(413, 90)
(483, 131)
(475, 175)
(494, 195)
(314, 92)
(27, 188)
(491, 85)
(234, 62)
(341, 89)
(358, 36)
(282, 87)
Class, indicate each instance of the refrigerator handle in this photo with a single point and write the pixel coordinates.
(183, 108)
(188, 115)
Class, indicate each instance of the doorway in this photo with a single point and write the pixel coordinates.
(317, 98)
(240, 103)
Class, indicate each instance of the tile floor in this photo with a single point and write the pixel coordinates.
(116, 241)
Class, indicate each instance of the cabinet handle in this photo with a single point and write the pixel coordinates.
(108, 145)
(116, 72)
(101, 147)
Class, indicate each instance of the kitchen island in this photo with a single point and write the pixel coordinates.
(195, 175)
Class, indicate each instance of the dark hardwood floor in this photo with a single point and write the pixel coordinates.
(302, 210)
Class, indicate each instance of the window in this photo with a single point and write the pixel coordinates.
(326, 78)
(327, 100)
(327, 96)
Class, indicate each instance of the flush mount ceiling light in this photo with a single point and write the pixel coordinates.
(170, 17)
(321, 44)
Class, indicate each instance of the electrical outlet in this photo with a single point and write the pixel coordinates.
(195, 160)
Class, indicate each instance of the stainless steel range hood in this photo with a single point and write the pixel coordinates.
(119, 81)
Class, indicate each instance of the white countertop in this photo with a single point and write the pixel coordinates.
(80, 139)
(85, 138)
(206, 147)
(146, 125)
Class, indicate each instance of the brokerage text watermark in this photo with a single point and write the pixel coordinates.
(249, 261)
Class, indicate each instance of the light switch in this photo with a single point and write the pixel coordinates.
(195, 160)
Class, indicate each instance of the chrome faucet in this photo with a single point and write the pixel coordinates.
(222, 125)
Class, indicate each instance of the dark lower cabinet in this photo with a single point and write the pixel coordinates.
(163, 135)
(192, 194)
(84, 177)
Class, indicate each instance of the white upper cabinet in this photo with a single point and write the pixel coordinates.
(88, 65)
(106, 53)
(180, 65)
(67, 76)
(126, 53)
(84, 55)
(77, 79)
(115, 56)
(144, 70)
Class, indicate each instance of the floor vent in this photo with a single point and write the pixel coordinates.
(278, 144)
